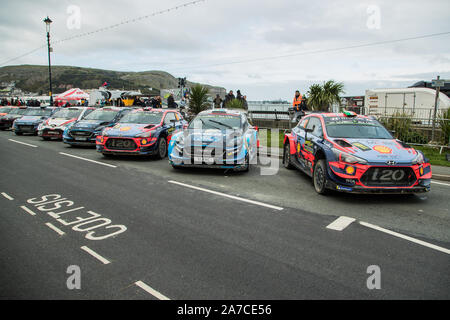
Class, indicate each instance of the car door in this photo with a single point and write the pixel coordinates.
(313, 134)
(299, 135)
(169, 124)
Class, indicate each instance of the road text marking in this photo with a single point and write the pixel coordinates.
(423, 243)
(57, 230)
(150, 290)
(28, 210)
(228, 196)
(95, 255)
(340, 223)
(26, 144)
(81, 158)
(7, 196)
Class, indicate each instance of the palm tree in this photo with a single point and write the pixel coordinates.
(199, 99)
(321, 97)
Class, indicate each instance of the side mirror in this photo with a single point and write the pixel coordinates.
(309, 130)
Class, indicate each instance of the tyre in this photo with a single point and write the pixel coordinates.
(46, 138)
(246, 167)
(320, 177)
(287, 159)
(162, 148)
(107, 155)
(18, 133)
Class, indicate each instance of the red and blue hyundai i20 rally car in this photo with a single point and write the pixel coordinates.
(353, 153)
(144, 131)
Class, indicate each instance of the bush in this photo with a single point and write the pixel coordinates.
(401, 124)
(444, 123)
(235, 104)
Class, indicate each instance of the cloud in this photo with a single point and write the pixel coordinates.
(225, 42)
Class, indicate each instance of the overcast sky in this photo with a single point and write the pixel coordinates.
(237, 43)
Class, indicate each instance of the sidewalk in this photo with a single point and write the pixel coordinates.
(439, 172)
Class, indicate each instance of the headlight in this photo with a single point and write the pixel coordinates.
(180, 139)
(419, 159)
(144, 135)
(348, 158)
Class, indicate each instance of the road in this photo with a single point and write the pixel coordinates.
(201, 234)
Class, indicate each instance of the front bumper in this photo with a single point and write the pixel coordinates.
(48, 132)
(234, 161)
(417, 178)
(141, 147)
(86, 138)
(6, 124)
(25, 128)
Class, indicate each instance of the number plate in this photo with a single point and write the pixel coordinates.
(53, 132)
(80, 139)
(204, 159)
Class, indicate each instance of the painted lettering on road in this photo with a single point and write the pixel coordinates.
(79, 219)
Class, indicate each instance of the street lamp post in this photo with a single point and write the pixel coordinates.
(47, 26)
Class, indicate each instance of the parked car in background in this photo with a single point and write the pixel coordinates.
(84, 132)
(217, 138)
(144, 131)
(7, 120)
(53, 127)
(31, 119)
(352, 153)
(5, 110)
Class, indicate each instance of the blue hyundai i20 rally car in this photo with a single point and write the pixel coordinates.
(217, 138)
(353, 153)
(31, 119)
(85, 131)
(144, 131)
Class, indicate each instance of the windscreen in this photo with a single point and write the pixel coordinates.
(67, 113)
(18, 111)
(38, 112)
(144, 117)
(4, 110)
(102, 115)
(356, 128)
(216, 121)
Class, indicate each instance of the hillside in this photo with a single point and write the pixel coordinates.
(34, 78)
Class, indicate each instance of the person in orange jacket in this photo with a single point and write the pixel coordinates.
(297, 104)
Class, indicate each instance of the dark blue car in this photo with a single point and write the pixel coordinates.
(31, 119)
(84, 132)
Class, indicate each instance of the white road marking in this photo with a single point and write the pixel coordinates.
(227, 195)
(81, 158)
(28, 210)
(396, 234)
(57, 230)
(95, 255)
(27, 144)
(340, 223)
(441, 183)
(150, 290)
(7, 196)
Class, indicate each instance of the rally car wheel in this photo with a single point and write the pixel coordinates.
(246, 167)
(46, 138)
(320, 177)
(162, 148)
(18, 133)
(287, 162)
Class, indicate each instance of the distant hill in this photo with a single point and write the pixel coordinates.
(34, 78)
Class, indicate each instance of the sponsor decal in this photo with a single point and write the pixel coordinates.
(125, 128)
(361, 146)
(298, 148)
(382, 149)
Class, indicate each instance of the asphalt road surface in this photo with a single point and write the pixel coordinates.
(138, 229)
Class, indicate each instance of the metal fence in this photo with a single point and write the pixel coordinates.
(405, 127)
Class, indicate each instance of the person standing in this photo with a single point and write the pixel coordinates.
(217, 101)
(228, 98)
(297, 104)
(171, 102)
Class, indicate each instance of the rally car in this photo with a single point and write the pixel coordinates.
(85, 131)
(143, 131)
(31, 119)
(60, 120)
(5, 110)
(353, 153)
(7, 120)
(217, 138)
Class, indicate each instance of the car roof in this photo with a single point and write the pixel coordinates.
(231, 112)
(347, 114)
